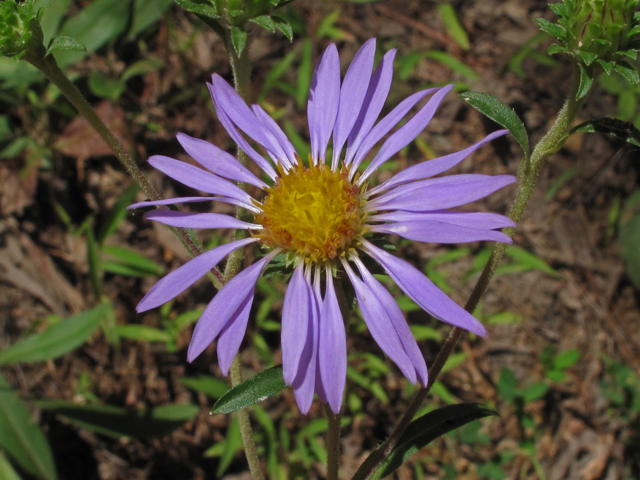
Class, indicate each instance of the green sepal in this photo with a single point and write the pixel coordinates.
(265, 21)
(628, 73)
(65, 44)
(606, 66)
(629, 53)
(199, 7)
(552, 29)
(284, 26)
(587, 57)
(586, 81)
(557, 48)
(560, 9)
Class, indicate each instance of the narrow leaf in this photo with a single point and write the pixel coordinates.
(21, 438)
(232, 445)
(500, 113)
(65, 44)
(132, 263)
(211, 386)
(586, 81)
(284, 26)
(7, 472)
(142, 333)
(57, 340)
(239, 39)
(118, 422)
(611, 126)
(629, 73)
(119, 210)
(453, 26)
(423, 431)
(551, 28)
(453, 63)
(257, 388)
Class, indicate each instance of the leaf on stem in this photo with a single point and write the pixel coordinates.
(65, 44)
(257, 388)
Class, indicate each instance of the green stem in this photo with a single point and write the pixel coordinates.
(49, 66)
(242, 79)
(333, 444)
(245, 425)
(528, 178)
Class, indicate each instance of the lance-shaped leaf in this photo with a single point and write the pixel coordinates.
(421, 432)
(21, 438)
(611, 126)
(257, 388)
(500, 113)
(65, 44)
(118, 422)
(57, 340)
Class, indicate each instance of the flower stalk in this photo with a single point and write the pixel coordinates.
(528, 174)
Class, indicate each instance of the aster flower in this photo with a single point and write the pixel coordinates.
(322, 214)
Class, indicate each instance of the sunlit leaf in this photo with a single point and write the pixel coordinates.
(254, 390)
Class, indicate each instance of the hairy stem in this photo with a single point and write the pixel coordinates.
(49, 66)
(333, 444)
(527, 180)
(245, 426)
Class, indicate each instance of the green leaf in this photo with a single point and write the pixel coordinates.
(423, 431)
(200, 7)
(555, 48)
(507, 385)
(552, 29)
(535, 392)
(284, 26)
(530, 261)
(606, 66)
(142, 67)
(142, 333)
(560, 9)
(586, 81)
(65, 44)
(257, 388)
(611, 126)
(56, 340)
(147, 12)
(629, 73)
(118, 212)
(211, 386)
(129, 263)
(105, 87)
(305, 71)
(265, 21)
(232, 445)
(566, 359)
(628, 235)
(7, 471)
(118, 422)
(500, 113)
(239, 39)
(587, 57)
(93, 259)
(453, 26)
(453, 63)
(21, 438)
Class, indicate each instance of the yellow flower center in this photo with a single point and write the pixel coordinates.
(313, 211)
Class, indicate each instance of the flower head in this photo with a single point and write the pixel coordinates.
(322, 214)
(19, 27)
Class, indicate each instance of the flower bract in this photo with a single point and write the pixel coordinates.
(322, 215)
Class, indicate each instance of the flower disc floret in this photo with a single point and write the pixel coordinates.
(313, 211)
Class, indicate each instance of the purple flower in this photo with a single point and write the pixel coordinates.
(322, 218)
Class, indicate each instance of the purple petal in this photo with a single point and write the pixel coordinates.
(305, 381)
(478, 220)
(296, 317)
(431, 168)
(197, 178)
(217, 160)
(438, 232)
(240, 140)
(352, 94)
(322, 106)
(399, 323)
(422, 291)
(183, 277)
(196, 220)
(407, 133)
(173, 201)
(440, 193)
(232, 334)
(240, 114)
(332, 348)
(288, 151)
(372, 105)
(227, 305)
(386, 124)
(380, 325)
